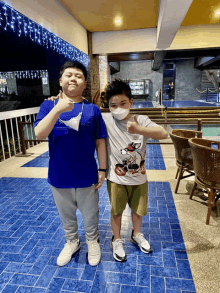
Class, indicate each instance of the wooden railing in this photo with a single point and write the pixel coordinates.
(24, 140)
(9, 130)
(163, 116)
(27, 136)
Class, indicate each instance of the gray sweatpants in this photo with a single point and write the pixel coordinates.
(68, 200)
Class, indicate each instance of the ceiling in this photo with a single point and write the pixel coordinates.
(98, 15)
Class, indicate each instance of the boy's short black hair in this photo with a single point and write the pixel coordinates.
(118, 87)
(73, 64)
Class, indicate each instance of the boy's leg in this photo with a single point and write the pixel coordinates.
(138, 205)
(65, 200)
(118, 198)
(136, 221)
(116, 225)
(87, 200)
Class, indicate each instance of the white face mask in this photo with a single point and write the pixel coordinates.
(74, 122)
(120, 113)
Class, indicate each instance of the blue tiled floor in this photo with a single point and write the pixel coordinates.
(168, 103)
(40, 161)
(187, 104)
(212, 100)
(144, 104)
(154, 159)
(31, 238)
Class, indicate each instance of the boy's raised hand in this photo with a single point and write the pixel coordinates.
(133, 127)
(64, 104)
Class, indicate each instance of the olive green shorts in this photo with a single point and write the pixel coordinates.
(134, 195)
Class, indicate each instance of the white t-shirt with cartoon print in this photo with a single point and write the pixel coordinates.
(126, 151)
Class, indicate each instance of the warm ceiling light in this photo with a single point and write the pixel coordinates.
(118, 20)
(215, 13)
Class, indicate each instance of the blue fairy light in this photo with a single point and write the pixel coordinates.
(39, 35)
(1, 18)
(6, 17)
(19, 24)
(22, 25)
(12, 21)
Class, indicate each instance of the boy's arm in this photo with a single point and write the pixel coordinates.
(45, 126)
(101, 153)
(156, 132)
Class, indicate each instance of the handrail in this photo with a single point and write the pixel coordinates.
(197, 122)
(18, 113)
(9, 130)
(201, 92)
(212, 91)
(10, 121)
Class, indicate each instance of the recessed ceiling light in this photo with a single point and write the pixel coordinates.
(216, 12)
(118, 20)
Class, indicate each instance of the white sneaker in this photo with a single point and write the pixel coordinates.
(141, 242)
(66, 254)
(118, 249)
(94, 252)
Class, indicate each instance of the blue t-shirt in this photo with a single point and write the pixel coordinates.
(72, 162)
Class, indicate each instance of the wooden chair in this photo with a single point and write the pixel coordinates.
(206, 162)
(183, 153)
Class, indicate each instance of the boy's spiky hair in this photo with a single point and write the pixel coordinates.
(118, 87)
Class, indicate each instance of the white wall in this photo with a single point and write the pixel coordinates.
(188, 37)
(52, 15)
(124, 41)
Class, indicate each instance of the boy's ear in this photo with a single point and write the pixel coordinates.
(131, 101)
(60, 81)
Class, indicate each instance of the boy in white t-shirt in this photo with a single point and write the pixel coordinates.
(126, 174)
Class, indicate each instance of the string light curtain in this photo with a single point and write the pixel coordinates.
(24, 74)
(12, 20)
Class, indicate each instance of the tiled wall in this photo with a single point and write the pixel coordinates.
(187, 80)
(187, 77)
(140, 70)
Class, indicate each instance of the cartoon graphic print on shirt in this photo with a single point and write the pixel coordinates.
(133, 163)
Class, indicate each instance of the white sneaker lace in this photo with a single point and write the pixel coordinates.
(141, 240)
(66, 249)
(118, 243)
(93, 247)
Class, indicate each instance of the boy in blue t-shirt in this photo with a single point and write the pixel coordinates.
(75, 128)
